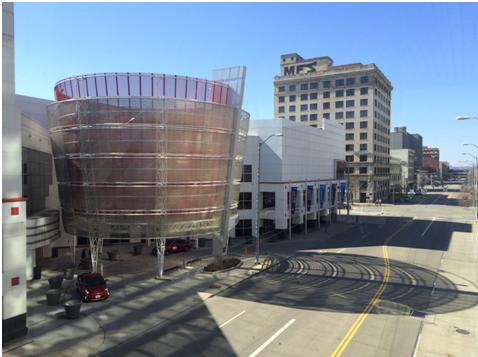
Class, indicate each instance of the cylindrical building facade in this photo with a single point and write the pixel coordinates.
(146, 153)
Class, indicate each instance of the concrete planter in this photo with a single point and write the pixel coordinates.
(69, 273)
(53, 297)
(113, 255)
(86, 263)
(72, 309)
(55, 283)
(137, 249)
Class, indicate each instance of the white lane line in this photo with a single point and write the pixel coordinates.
(364, 236)
(225, 323)
(428, 227)
(305, 272)
(272, 338)
(340, 250)
(436, 199)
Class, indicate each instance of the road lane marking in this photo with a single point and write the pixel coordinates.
(225, 323)
(353, 330)
(305, 272)
(272, 338)
(364, 236)
(340, 250)
(428, 227)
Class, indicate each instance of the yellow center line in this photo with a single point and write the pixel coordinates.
(350, 334)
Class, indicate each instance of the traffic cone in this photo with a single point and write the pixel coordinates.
(245, 252)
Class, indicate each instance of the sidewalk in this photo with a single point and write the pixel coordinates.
(137, 301)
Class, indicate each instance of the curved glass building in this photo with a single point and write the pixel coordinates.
(155, 154)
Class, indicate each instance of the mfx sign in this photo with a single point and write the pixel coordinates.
(299, 69)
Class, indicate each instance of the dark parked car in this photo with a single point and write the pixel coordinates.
(174, 246)
(92, 287)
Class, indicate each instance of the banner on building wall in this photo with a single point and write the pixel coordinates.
(322, 195)
(342, 192)
(334, 193)
(310, 193)
(293, 199)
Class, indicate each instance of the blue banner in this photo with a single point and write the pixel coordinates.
(334, 193)
(322, 195)
(342, 192)
(310, 193)
(293, 199)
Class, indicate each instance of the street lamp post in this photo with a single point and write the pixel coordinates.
(258, 193)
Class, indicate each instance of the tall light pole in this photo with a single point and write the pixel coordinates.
(258, 193)
(475, 198)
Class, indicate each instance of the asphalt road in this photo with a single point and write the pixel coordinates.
(365, 292)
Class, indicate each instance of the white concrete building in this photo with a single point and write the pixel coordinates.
(302, 157)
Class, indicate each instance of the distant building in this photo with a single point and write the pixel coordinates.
(401, 139)
(355, 95)
(431, 159)
(407, 162)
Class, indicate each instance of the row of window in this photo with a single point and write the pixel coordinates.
(351, 147)
(306, 107)
(304, 117)
(381, 117)
(312, 96)
(381, 128)
(351, 125)
(351, 136)
(326, 84)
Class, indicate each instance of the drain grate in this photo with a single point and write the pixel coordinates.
(417, 314)
(463, 332)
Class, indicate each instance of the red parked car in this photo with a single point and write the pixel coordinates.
(174, 246)
(92, 287)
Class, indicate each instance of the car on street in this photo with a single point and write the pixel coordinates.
(174, 246)
(92, 287)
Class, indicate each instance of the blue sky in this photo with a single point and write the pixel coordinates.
(428, 51)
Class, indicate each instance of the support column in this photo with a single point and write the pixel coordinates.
(160, 244)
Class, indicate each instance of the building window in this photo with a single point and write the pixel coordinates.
(326, 105)
(281, 99)
(339, 104)
(363, 136)
(244, 228)
(304, 97)
(313, 106)
(292, 88)
(350, 92)
(349, 114)
(350, 103)
(349, 147)
(349, 125)
(363, 170)
(349, 158)
(364, 79)
(363, 124)
(313, 116)
(268, 199)
(292, 98)
(364, 90)
(292, 118)
(326, 94)
(314, 85)
(281, 89)
(245, 200)
(363, 102)
(349, 136)
(291, 108)
(281, 109)
(313, 95)
(363, 158)
(350, 81)
(304, 86)
(339, 93)
(246, 173)
(303, 117)
(363, 113)
(326, 115)
(363, 147)
(304, 107)
(326, 84)
(339, 115)
(339, 82)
